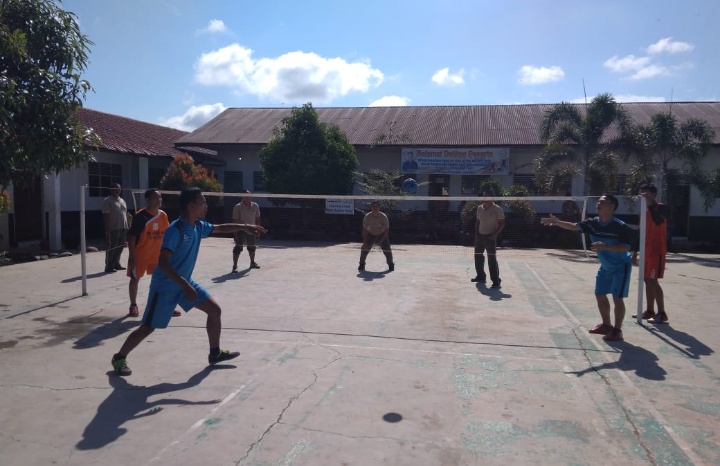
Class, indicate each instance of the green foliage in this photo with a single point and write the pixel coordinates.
(42, 56)
(183, 173)
(523, 210)
(578, 144)
(677, 151)
(306, 156)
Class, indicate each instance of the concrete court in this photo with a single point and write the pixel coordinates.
(470, 375)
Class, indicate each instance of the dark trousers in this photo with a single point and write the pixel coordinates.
(368, 244)
(116, 243)
(483, 243)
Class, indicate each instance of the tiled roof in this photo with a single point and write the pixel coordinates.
(127, 136)
(478, 125)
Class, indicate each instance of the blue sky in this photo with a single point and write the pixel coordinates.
(181, 62)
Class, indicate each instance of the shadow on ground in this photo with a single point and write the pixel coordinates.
(632, 358)
(128, 402)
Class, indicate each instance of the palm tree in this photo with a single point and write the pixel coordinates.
(677, 152)
(576, 144)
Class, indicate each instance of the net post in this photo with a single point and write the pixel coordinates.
(641, 254)
(83, 243)
(582, 217)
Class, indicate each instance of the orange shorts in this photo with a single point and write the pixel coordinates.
(654, 266)
(140, 269)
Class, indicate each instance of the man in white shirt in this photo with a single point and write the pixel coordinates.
(375, 230)
(115, 219)
(248, 212)
(489, 222)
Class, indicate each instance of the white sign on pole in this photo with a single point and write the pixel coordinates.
(340, 206)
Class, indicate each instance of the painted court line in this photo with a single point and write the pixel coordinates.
(200, 422)
(639, 395)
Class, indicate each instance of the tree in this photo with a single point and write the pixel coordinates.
(183, 173)
(306, 156)
(588, 145)
(677, 151)
(42, 56)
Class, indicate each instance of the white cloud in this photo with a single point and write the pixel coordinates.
(295, 77)
(194, 117)
(639, 67)
(540, 75)
(214, 26)
(650, 72)
(444, 78)
(390, 101)
(626, 64)
(668, 46)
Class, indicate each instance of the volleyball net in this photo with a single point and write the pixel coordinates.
(420, 220)
(444, 224)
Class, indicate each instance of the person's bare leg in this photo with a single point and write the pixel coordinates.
(604, 308)
(213, 324)
(132, 290)
(650, 294)
(135, 338)
(619, 304)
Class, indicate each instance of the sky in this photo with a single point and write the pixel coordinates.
(180, 63)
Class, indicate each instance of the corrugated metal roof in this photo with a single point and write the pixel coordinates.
(478, 125)
(127, 136)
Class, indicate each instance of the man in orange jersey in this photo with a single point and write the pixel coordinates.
(144, 241)
(655, 252)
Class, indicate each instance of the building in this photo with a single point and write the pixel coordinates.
(503, 139)
(135, 154)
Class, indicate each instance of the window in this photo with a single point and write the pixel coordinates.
(258, 182)
(233, 182)
(471, 184)
(100, 175)
(154, 176)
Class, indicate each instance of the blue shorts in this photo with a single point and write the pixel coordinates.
(163, 299)
(615, 282)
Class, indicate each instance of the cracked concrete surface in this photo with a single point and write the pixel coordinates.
(477, 376)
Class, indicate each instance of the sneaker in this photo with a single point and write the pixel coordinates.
(496, 284)
(601, 329)
(391, 267)
(223, 355)
(660, 318)
(176, 313)
(614, 335)
(478, 279)
(361, 268)
(234, 269)
(133, 311)
(109, 270)
(648, 314)
(253, 265)
(120, 366)
(120, 267)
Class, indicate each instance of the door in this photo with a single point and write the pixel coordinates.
(27, 199)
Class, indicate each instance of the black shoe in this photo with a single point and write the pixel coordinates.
(253, 265)
(109, 270)
(234, 269)
(496, 284)
(391, 267)
(223, 355)
(361, 268)
(478, 279)
(120, 267)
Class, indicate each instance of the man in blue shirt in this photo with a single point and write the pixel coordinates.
(172, 282)
(613, 240)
